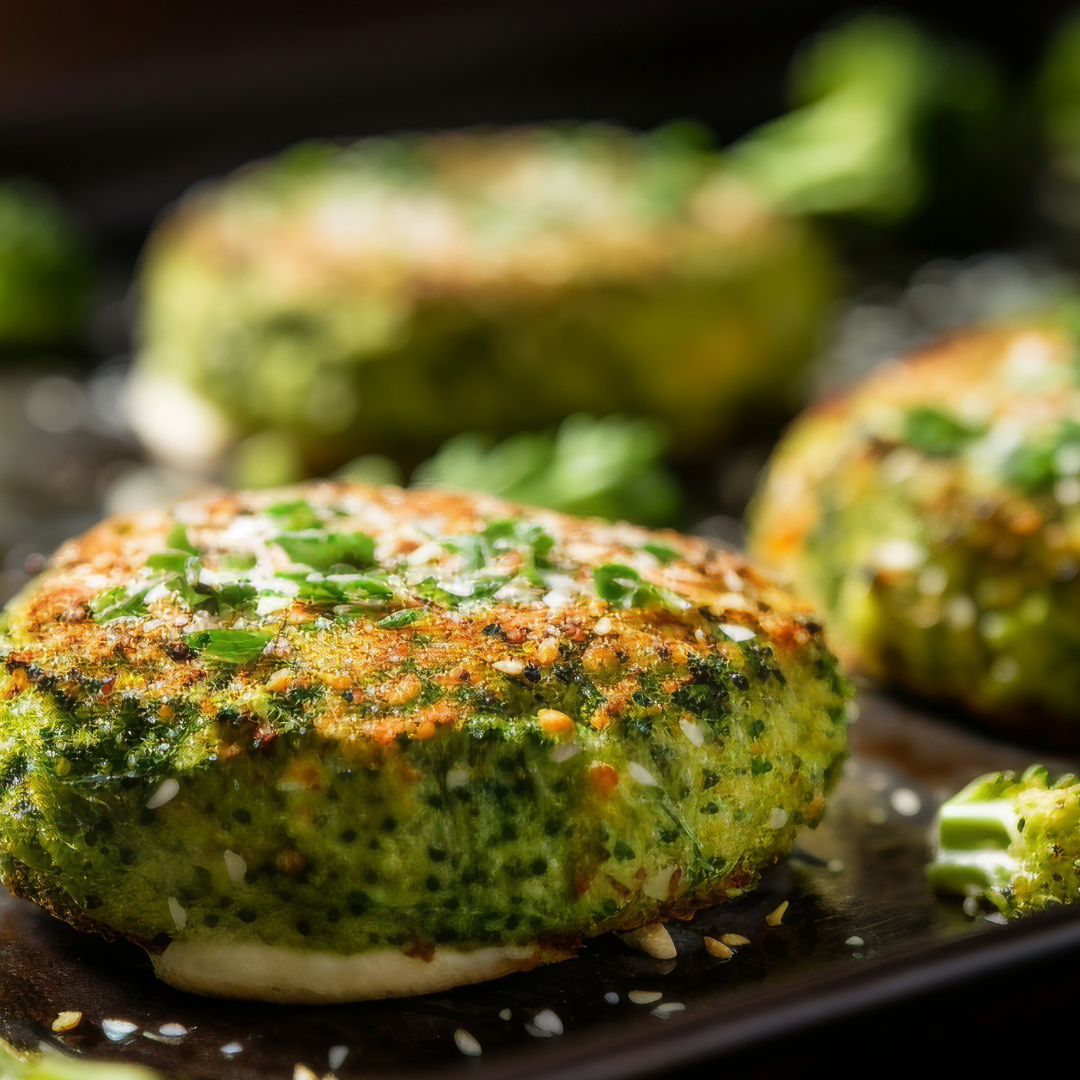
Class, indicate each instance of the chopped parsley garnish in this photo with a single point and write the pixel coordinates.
(405, 617)
(323, 551)
(296, 516)
(937, 433)
(229, 646)
(118, 603)
(623, 587)
(1035, 466)
(662, 552)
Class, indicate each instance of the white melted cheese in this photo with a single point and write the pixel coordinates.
(269, 973)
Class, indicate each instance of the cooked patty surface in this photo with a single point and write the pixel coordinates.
(339, 719)
(933, 515)
(386, 295)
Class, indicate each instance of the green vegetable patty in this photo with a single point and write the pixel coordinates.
(387, 295)
(933, 514)
(363, 741)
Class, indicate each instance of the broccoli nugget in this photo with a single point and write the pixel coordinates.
(933, 514)
(337, 741)
(389, 294)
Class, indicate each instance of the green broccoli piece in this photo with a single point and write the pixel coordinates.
(1014, 842)
(608, 467)
(881, 107)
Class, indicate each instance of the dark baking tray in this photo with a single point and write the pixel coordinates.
(861, 931)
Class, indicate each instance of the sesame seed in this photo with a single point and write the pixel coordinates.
(654, 941)
(164, 794)
(692, 732)
(467, 1044)
(505, 1014)
(547, 651)
(774, 918)
(117, 1030)
(645, 997)
(236, 867)
(734, 940)
(509, 667)
(336, 1056)
(905, 802)
(179, 915)
(997, 918)
(717, 949)
(611, 997)
(545, 1024)
(778, 818)
(855, 941)
(642, 775)
(602, 626)
(971, 906)
(67, 1021)
(173, 1031)
(231, 1049)
(302, 1072)
(564, 752)
(736, 632)
(658, 887)
(664, 1011)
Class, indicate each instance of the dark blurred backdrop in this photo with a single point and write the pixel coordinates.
(120, 105)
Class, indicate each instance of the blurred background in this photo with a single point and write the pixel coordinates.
(797, 189)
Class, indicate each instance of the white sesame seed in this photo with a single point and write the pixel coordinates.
(996, 918)
(509, 667)
(658, 887)
(736, 632)
(505, 1014)
(179, 915)
(654, 941)
(117, 1030)
(467, 1044)
(337, 1055)
(544, 1024)
(645, 997)
(236, 867)
(898, 555)
(642, 775)
(778, 818)
(172, 1031)
(164, 793)
(564, 752)
(302, 1072)
(905, 801)
(971, 906)
(692, 732)
(611, 997)
(855, 941)
(602, 626)
(457, 777)
(231, 1049)
(667, 1009)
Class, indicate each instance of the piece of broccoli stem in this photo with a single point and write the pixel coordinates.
(1013, 842)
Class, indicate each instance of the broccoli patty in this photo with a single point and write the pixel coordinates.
(933, 515)
(388, 741)
(386, 295)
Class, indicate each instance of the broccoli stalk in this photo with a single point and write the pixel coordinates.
(1014, 842)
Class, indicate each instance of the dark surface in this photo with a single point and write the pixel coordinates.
(799, 992)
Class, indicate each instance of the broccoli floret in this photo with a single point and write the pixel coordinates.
(1014, 842)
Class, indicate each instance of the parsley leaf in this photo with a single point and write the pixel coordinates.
(229, 646)
(936, 433)
(623, 587)
(323, 551)
(405, 617)
(118, 603)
